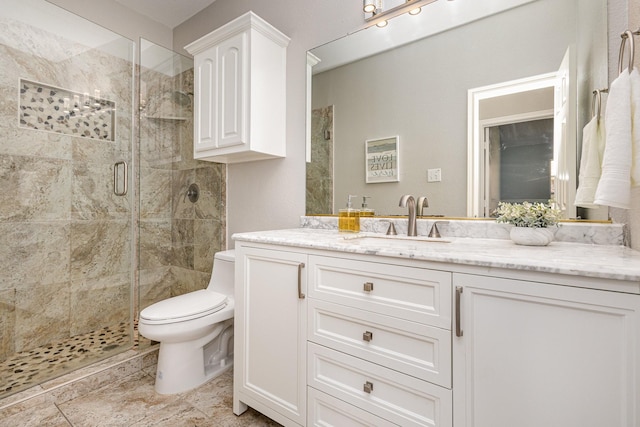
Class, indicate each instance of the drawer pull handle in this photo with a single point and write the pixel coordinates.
(367, 336)
(459, 331)
(368, 286)
(300, 294)
(368, 387)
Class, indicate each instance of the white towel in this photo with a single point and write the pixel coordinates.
(590, 162)
(635, 127)
(614, 188)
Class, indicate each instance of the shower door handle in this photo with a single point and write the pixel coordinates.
(116, 178)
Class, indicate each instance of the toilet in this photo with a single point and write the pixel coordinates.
(195, 331)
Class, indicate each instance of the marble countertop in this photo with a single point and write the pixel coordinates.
(599, 261)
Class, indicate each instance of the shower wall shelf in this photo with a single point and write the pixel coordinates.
(240, 92)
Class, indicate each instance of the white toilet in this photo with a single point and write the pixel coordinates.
(195, 331)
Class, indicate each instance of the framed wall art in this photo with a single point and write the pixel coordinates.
(381, 160)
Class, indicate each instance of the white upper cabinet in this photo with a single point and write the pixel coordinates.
(240, 92)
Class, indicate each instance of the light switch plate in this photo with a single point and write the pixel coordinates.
(434, 175)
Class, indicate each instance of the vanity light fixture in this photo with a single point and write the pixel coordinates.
(375, 12)
(369, 6)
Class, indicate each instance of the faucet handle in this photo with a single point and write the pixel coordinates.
(391, 231)
(434, 232)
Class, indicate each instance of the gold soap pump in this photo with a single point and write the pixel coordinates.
(349, 218)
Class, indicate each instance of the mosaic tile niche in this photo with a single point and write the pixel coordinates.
(63, 111)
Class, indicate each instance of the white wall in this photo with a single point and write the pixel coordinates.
(634, 213)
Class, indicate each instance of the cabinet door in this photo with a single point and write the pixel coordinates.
(270, 334)
(206, 108)
(534, 354)
(232, 87)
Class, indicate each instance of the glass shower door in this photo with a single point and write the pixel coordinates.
(66, 91)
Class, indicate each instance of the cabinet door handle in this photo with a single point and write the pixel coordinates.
(368, 387)
(459, 331)
(368, 286)
(300, 294)
(367, 336)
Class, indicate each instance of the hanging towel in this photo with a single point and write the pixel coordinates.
(635, 127)
(614, 188)
(593, 143)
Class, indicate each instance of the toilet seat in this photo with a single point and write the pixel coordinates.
(184, 307)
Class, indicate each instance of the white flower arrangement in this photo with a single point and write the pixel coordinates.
(526, 214)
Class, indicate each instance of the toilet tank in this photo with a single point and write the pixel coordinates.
(222, 276)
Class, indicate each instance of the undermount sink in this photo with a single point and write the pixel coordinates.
(384, 239)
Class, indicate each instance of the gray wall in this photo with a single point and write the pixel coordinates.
(119, 19)
(419, 92)
(270, 194)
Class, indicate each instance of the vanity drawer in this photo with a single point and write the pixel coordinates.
(410, 293)
(409, 347)
(324, 410)
(396, 397)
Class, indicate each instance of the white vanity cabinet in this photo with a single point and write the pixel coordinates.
(329, 337)
(535, 354)
(240, 87)
(379, 335)
(270, 334)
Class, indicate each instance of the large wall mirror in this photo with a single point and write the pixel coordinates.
(416, 85)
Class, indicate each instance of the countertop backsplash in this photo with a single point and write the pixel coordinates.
(576, 232)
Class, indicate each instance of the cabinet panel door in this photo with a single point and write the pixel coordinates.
(232, 90)
(533, 355)
(205, 112)
(270, 332)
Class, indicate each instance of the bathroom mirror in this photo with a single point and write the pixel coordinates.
(374, 83)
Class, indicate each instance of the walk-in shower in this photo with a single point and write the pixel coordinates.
(96, 163)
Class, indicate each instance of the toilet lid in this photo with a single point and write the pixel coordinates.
(184, 307)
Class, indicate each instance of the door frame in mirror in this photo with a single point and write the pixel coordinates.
(475, 144)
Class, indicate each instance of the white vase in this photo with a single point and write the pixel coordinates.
(531, 236)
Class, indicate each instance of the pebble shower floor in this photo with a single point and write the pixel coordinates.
(29, 368)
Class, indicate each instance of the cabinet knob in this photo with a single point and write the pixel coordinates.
(368, 286)
(368, 387)
(367, 336)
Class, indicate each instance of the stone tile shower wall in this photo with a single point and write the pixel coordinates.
(177, 238)
(66, 238)
(320, 170)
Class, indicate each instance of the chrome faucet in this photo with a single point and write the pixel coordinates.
(422, 203)
(408, 201)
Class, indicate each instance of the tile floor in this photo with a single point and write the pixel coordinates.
(130, 400)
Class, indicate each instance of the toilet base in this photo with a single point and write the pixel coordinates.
(182, 367)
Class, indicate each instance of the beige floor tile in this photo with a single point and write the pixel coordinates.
(46, 414)
(120, 404)
(175, 414)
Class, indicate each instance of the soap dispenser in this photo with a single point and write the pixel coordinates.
(366, 211)
(349, 218)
